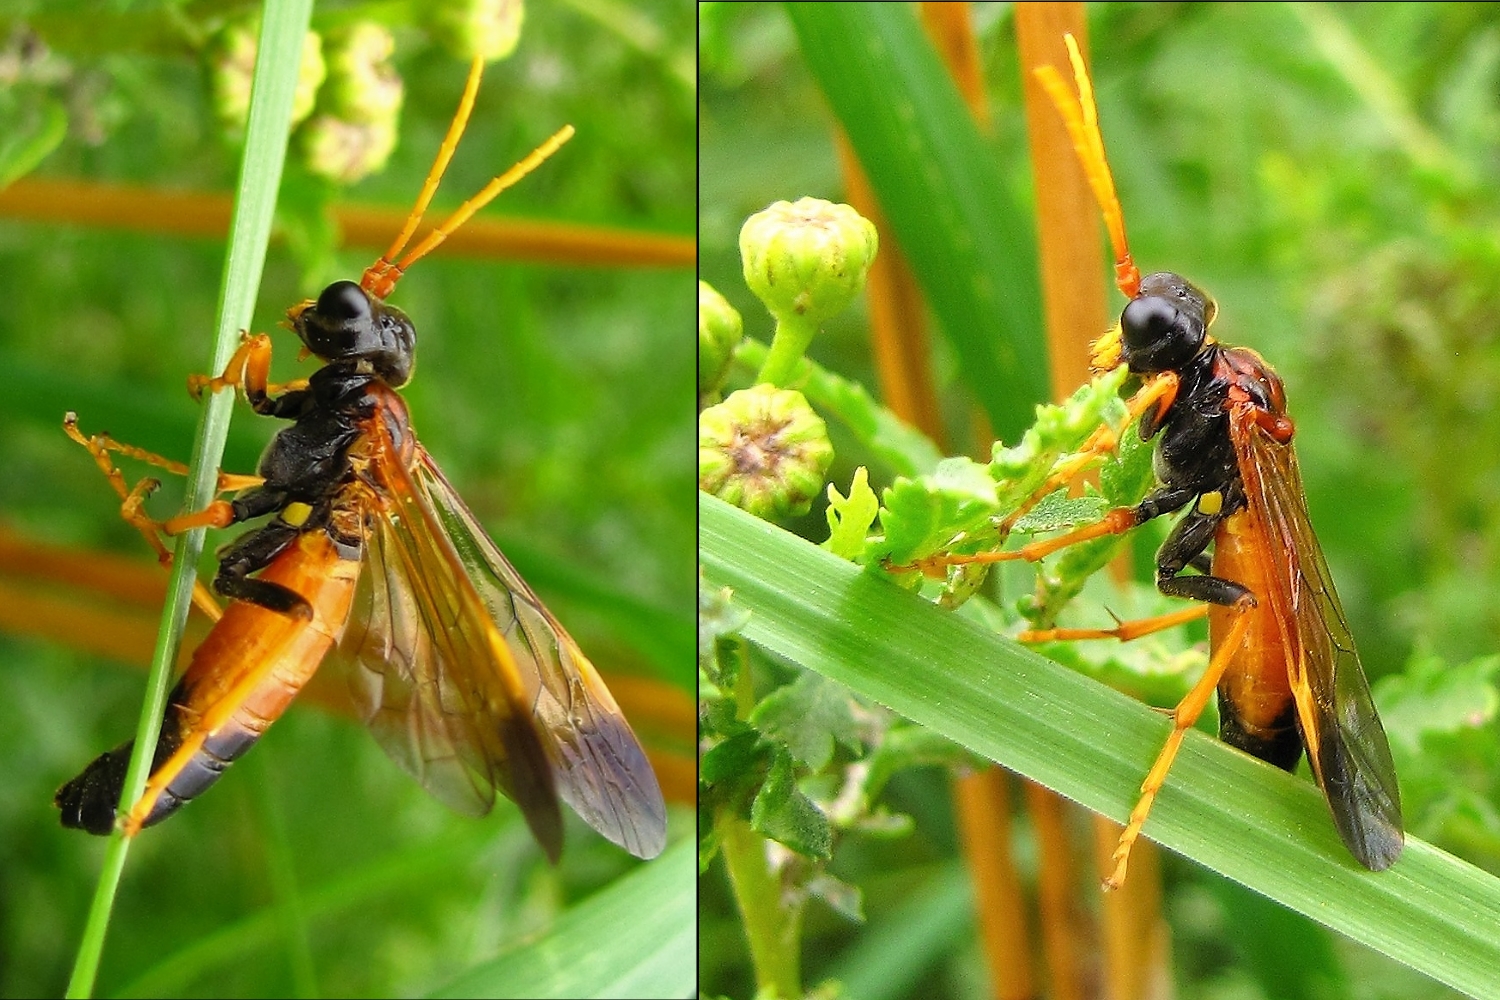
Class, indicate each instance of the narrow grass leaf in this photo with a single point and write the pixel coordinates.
(1266, 829)
(283, 26)
(637, 938)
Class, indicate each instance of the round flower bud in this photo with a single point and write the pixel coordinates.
(807, 258)
(487, 29)
(719, 333)
(362, 84)
(231, 66)
(345, 151)
(764, 450)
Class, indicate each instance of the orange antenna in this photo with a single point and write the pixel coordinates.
(445, 152)
(530, 162)
(1081, 117)
(380, 277)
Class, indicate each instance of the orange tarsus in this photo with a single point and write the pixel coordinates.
(1124, 631)
(248, 368)
(99, 446)
(1183, 717)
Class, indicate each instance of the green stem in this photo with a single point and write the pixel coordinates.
(283, 26)
(793, 334)
(771, 924)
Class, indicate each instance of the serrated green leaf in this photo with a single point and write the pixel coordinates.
(735, 757)
(1059, 429)
(717, 618)
(919, 516)
(808, 715)
(851, 517)
(784, 814)
(1128, 475)
(1057, 510)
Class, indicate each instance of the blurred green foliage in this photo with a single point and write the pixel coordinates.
(1328, 173)
(555, 397)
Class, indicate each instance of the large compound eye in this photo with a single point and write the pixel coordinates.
(1148, 320)
(343, 300)
(1161, 332)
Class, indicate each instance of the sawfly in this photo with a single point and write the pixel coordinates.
(371, 562)
(1282, 660)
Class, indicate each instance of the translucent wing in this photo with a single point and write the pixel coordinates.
(430, 674)
(1346, 744)
(598, 764)
(450, 647)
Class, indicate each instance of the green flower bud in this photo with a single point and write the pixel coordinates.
(231, 66)
(807, 259)
(488, 29)
(310, 76)
(362, 84)
(345, 151)
(764, 450)
(354, 131)
(719, 333)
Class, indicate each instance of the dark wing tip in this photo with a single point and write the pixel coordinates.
(1378, 847)
(528, 781)
(1382, 852)
(612, 786)
(1363, 797)
(647, 836)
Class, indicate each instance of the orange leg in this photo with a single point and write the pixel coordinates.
(1115, 522)
(249, 368)
(218, 514)
(1158, 393)
(1124, 631)
(131, 499)
(1183, 718)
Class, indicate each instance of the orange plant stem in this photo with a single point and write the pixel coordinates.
(982, 804)
(1057, 894)
(1073, 266)
(206, 214)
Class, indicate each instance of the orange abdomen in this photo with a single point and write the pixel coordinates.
(246, 672)
(243, 676)
(1257, 712)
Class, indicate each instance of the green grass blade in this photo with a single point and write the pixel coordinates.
(971, 246)
(1255, 824)
(284, 23)
(637, 938)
